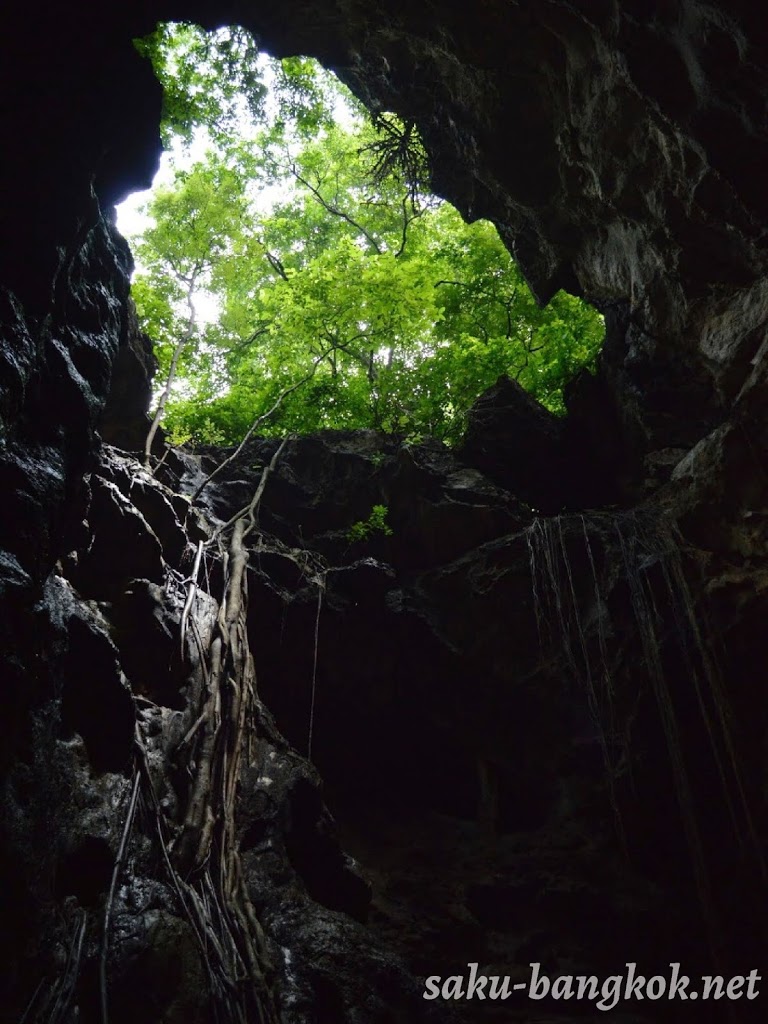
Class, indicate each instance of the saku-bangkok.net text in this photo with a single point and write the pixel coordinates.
(605, 995)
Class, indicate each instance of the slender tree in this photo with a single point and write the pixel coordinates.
(196, 222)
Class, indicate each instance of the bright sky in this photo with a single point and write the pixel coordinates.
(131, 221)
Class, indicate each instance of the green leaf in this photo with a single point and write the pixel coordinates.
(399, 312)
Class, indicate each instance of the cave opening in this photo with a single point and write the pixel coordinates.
(296, 270)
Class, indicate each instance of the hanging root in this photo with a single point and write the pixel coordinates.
(320, 580)
(217, 907)
(55, 1007)
(204, 861)
(257, 423)
(719, 731)
(200, 854)
(119, 860)
(644, 540)
(558, 620)
(190, 599)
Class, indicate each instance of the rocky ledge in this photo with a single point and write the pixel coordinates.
(523, 701)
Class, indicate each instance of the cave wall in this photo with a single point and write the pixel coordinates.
(621, 150)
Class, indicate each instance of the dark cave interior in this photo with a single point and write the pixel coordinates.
(535, 738)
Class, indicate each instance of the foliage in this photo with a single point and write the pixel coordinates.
(318, 254)
(182, 254)
(375, 523)
(202, 75)
(219, 82)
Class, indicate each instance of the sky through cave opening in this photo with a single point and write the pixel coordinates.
(291, 257)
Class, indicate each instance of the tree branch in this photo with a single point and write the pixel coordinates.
(336, 211)
(275, 263)
(245, 518)
(407, 221)
(111, 896)
(182, 344)
(256, 423)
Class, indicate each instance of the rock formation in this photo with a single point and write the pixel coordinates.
(528, 725)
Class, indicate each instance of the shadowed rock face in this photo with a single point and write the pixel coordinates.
(498, 697)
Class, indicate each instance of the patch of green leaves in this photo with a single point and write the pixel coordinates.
(399, 312)
(375, 523)
(203, 74)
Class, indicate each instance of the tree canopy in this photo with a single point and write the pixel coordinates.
(302, 244)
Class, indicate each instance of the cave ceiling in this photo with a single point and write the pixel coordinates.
(621, 150)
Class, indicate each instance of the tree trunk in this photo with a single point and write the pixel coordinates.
(182, 344)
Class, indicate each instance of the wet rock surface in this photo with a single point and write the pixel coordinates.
(490, 719)
(541, 738)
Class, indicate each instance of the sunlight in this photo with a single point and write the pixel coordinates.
(290, 257)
